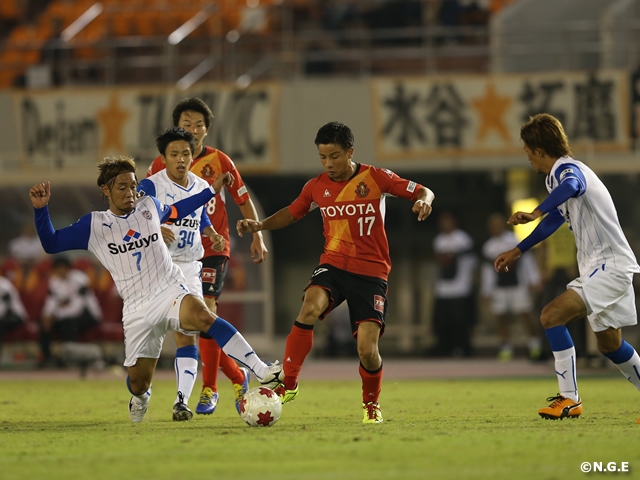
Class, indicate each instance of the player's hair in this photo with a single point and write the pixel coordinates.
(337, 133)
(195, 104)
(544, 131)
(174, 134)
(111, 167)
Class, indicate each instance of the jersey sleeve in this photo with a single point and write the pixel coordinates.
(204, 220)
(570, 171)
(301, 205)
(155, 167)
(171, 213)
(146, 188)
(73, 237)
(238, 190)
(395, 185)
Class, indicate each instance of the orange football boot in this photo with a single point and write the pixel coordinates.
(561, 407)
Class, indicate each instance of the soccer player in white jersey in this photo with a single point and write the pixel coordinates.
(603, 292)
(176, 182)
(127, 240)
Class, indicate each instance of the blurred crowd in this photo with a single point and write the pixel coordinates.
(45, 299)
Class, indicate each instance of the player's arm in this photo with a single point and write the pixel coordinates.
(571, 183)
(171, 213)
(217, 241)
(422, 206)
(280, 219)
(73, 237)
(258, 248)
(545, 228)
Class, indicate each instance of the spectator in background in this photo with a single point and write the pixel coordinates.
(12, 312)
(510, 292)
(26, 247)
(455, 313)
(70, 308)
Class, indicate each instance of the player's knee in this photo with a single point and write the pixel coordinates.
(368, 354)
(549, 317)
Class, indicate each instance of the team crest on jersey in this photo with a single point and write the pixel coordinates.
(146, 214)
(362, 190)
(207, 171)
(131, 234)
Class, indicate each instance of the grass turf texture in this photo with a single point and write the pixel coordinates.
(458, 429)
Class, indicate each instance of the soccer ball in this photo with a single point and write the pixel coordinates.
(260, 407)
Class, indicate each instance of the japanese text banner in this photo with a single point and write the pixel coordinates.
(439, 116)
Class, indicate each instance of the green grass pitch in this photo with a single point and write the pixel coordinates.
(457, 429)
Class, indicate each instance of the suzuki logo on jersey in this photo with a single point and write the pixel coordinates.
(193, 223)
(131, 234)
(378, 303)
(130, 245)
(349, 210)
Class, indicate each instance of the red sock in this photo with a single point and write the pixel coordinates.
(371, 384)
(230, 369)
(299, 343)
(210, 355)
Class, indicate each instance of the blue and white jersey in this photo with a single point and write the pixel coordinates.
(593, 218)
(188, 245)
(131, 248)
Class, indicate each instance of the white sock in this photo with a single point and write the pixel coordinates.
(144, 398)
(631, 369)
(186, 373)
(566, 373)
(238, 349)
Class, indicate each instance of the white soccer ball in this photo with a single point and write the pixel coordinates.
(260, 407)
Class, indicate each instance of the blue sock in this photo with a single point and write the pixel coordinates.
(221, 331)
(190, 351)
(559, 338)
(621, 355)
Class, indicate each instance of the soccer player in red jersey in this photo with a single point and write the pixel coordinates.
(355, 263)
(195, 116)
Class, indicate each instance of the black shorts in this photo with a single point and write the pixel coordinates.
(214, 271)
(366, 296)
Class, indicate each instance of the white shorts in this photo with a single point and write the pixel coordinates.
(192, 272)
(144, 330)
(609, 297)
(511, 300)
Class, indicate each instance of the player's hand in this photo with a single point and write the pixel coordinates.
(40, 194)
(504, 260)
(218, 242)
(520, 218)
(223, 179)
(248, 225)
(167, 235)
(422, 208)
(258, 249)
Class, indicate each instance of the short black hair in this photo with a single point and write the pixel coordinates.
(174, 134)
(195, 104)
(337, 133)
